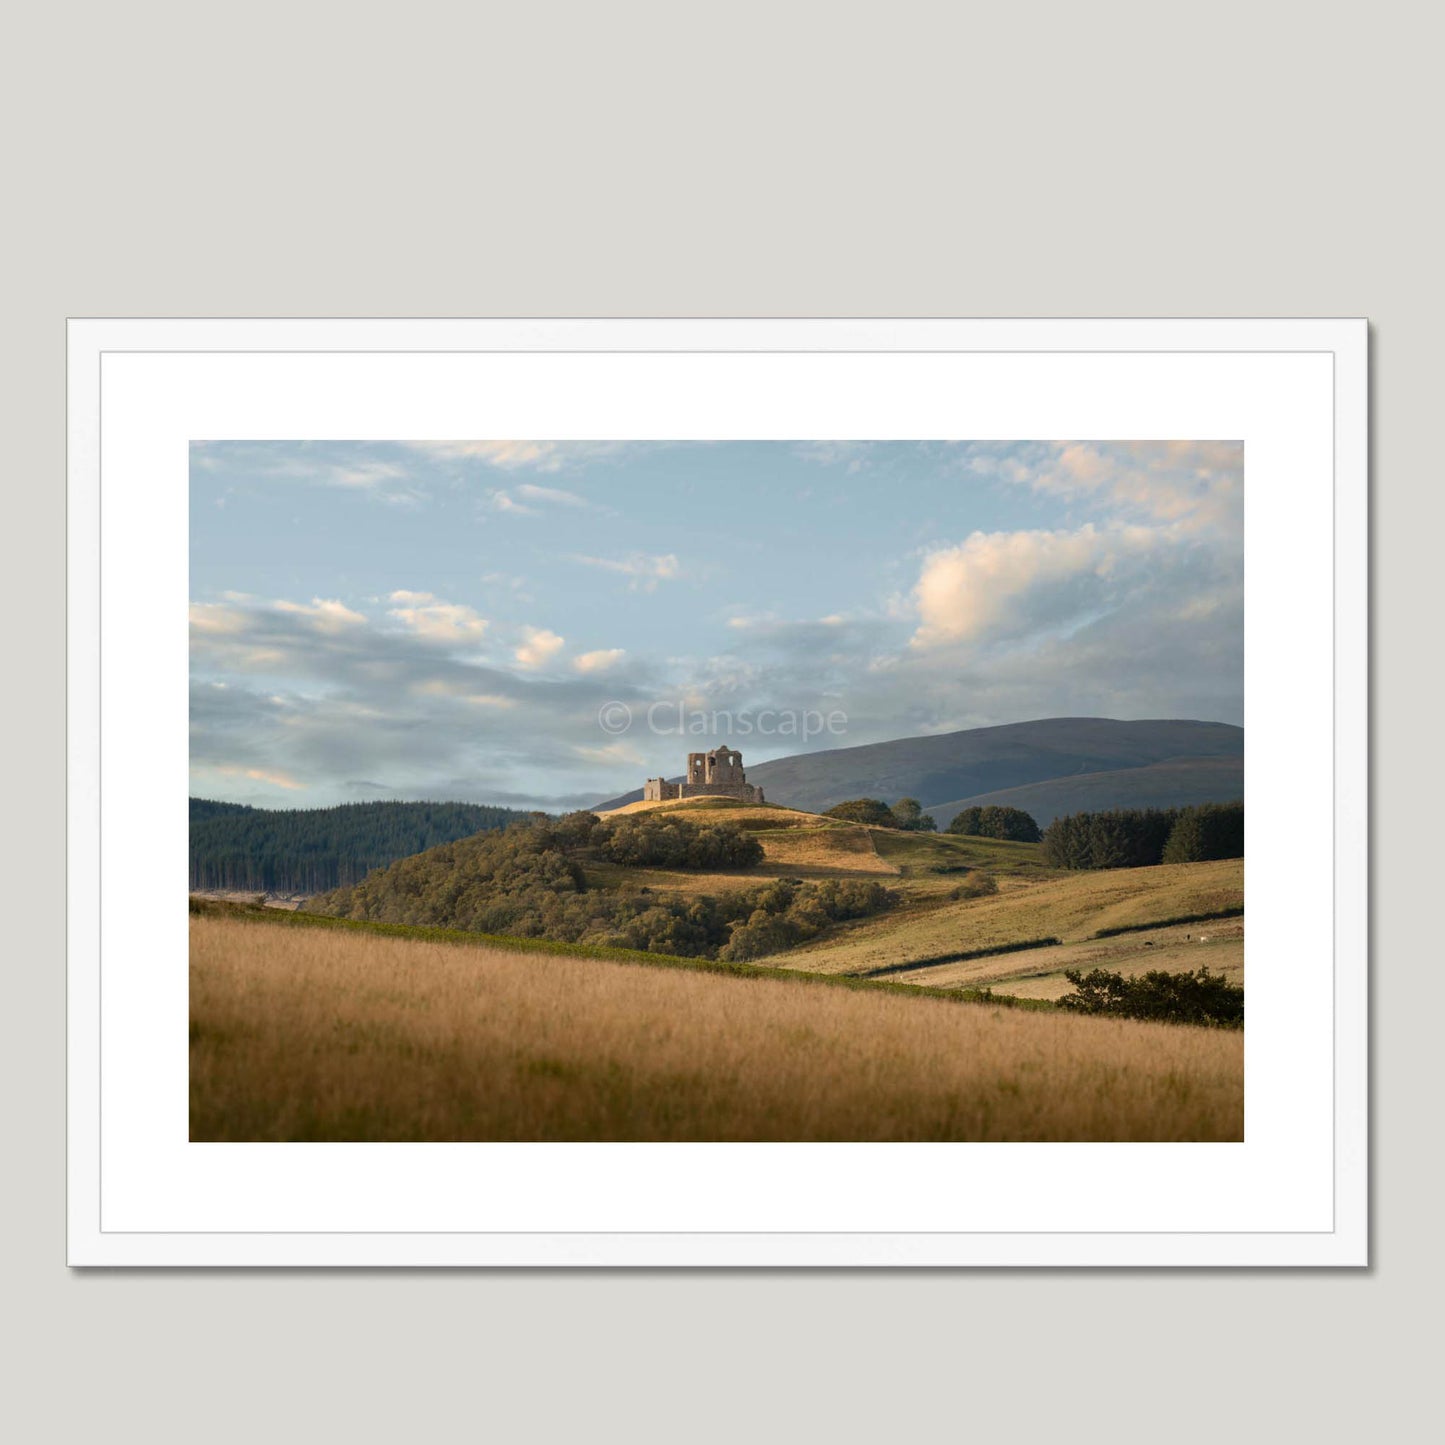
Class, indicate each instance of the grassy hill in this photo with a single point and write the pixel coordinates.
(948, 769)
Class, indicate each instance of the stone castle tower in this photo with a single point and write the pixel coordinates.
(716, 774)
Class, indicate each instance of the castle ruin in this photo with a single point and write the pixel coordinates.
(718, 774)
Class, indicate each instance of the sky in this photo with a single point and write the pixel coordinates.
(545, 624)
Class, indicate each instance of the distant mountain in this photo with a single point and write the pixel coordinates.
(1178, 783)
(946, 771)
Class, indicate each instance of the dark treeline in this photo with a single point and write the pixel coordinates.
(530, 881)
(1176, 998)
(1011, 824)
(1215, 830)
(202, 808)
(1142, 837)
(311, 850)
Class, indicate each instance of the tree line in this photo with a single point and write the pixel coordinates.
(1011, 824)
(907, 813)
(1142, 837)
(311, 850)
(1176, 998)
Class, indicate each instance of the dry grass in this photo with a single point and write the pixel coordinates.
(1039, 972)
(1069, 906)
(842, 852)
(309, 1034)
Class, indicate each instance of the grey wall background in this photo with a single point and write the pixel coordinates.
(754, 159)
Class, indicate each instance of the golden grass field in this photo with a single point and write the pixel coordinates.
(305, 1033)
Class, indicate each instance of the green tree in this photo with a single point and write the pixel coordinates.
(908, 814)
(1010, 824)
(1179, 998)
(1213, 830)
(965, 822)
(1118, 838)
(871, 811)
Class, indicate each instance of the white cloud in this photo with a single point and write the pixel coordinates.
(600, 660)
(538, 648)
(217, 620)
(1008, 584)
(769, 624)
(1196, 486)
(505, 454)
(327, 614)
(437, 621)
(528, 499)
(519, 455)
(852, 456)
(273, 461)
(644, 572)
(505, 502)
(531, 492)
(214, 619)
(364, 475)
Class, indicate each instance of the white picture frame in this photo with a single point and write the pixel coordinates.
(1293, 1193)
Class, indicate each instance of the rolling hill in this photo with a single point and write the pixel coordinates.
(1152, 762)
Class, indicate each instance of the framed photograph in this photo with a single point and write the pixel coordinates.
(717, 792)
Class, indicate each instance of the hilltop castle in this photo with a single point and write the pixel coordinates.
(718, 774)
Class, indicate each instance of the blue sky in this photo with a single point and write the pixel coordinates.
(448, 619)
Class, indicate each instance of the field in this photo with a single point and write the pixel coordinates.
(338, 1033)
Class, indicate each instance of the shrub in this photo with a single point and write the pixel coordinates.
(908, 814)
(980, 885)
(789, 913)
(1177, 998)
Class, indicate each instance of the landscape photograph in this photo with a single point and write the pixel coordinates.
(716, 791)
